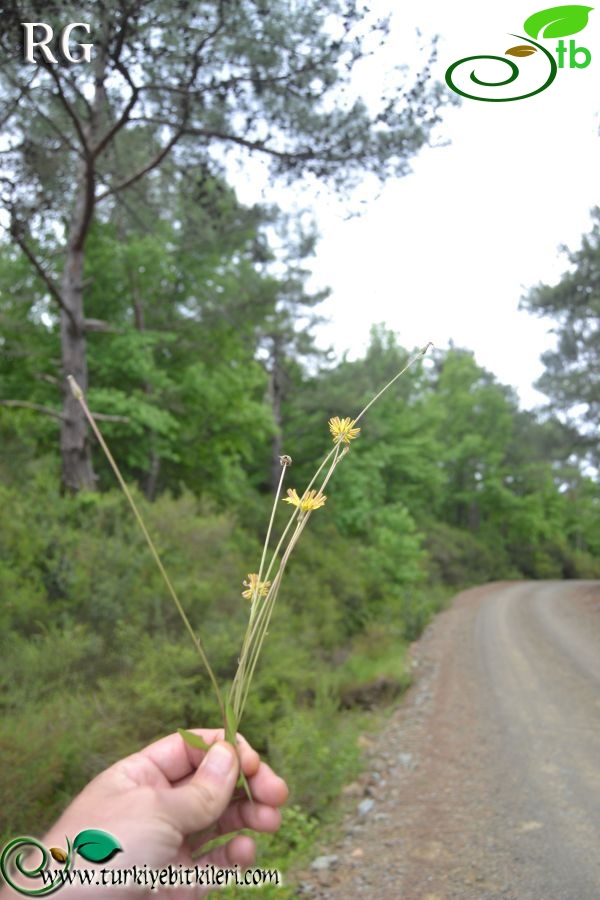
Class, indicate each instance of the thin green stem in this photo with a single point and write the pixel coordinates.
(410, 362)
(257, 647)
(252, 638)
(269, 529)
(295, 513)
(254, 601)
(258, 628)
(78, 394)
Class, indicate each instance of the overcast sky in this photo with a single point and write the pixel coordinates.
(446, 253)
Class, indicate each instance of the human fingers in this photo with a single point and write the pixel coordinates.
(201, 802)
(236, 817)
(239, 851)
(176, 760)
(265, 787)
(268, 787)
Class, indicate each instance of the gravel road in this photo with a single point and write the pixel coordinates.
(486, 781)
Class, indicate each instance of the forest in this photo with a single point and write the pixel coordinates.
(128, 261)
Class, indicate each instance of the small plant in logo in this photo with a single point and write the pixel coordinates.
(92, 845)
(556, 22)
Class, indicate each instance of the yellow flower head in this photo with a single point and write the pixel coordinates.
(310, 500)
(342, 430)
(255, 588)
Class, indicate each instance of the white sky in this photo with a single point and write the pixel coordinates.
(446, 253)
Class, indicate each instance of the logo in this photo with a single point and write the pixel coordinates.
(64, 44)
(91, 844)
(556, 22)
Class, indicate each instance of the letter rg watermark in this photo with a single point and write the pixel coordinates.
(40, 43)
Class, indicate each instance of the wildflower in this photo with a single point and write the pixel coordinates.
(343, 430)
(285, 460)
(255, 588)
(310, 500)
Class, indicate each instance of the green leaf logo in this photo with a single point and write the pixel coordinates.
(96, 846)
(558, 21)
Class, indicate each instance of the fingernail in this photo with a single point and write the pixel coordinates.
(218, 761)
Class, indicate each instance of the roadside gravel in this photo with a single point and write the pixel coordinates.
(485, 783)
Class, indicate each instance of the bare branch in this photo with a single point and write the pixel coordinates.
(38, 112)
(74, 87)
(106, 417)
(24, 404)
(18, 237)
(68, 108)
(259, 146)
(121, 121)
(56, 414)
(49, 379)
(100, 325)
(11, 107)
(143, 171)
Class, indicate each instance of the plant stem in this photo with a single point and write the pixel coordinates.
(78, 394)
(272, 519)
(410, 362)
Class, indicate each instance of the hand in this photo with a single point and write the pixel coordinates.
(156, 803)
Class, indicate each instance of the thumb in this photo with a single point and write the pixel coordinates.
(199, 803)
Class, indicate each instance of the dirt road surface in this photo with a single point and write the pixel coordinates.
(486, 781)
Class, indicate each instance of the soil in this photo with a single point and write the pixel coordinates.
(485, 783)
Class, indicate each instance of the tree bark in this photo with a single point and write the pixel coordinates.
(154, 461)
(276, 385)
(77, 470)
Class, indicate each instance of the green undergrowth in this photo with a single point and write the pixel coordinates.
(94, 662)
(321, 750)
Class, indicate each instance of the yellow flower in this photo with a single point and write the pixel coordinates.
(310, 500)
(255, 588)
(342, 430)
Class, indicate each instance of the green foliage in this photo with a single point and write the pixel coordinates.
(303, 742)
(571, 380)
(449, 484)
(94, 663)
(458, 558)
(197, 337)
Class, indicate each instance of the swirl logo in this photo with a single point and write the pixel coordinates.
(556, 22)
(91, 844)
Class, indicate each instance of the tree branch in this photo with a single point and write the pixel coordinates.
(56, 414)
(106, 417)
(24, 404)
(52, 288)
(68, 108)
(259, 146)
(143, 171)
(121, 121)
(100, 325)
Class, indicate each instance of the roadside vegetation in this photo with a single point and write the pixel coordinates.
(186, 318)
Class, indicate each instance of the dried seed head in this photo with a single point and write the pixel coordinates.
(75, 389)
(285, 460)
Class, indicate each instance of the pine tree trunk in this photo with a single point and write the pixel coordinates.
(276, 396)
(151, 482)
(77, 471)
